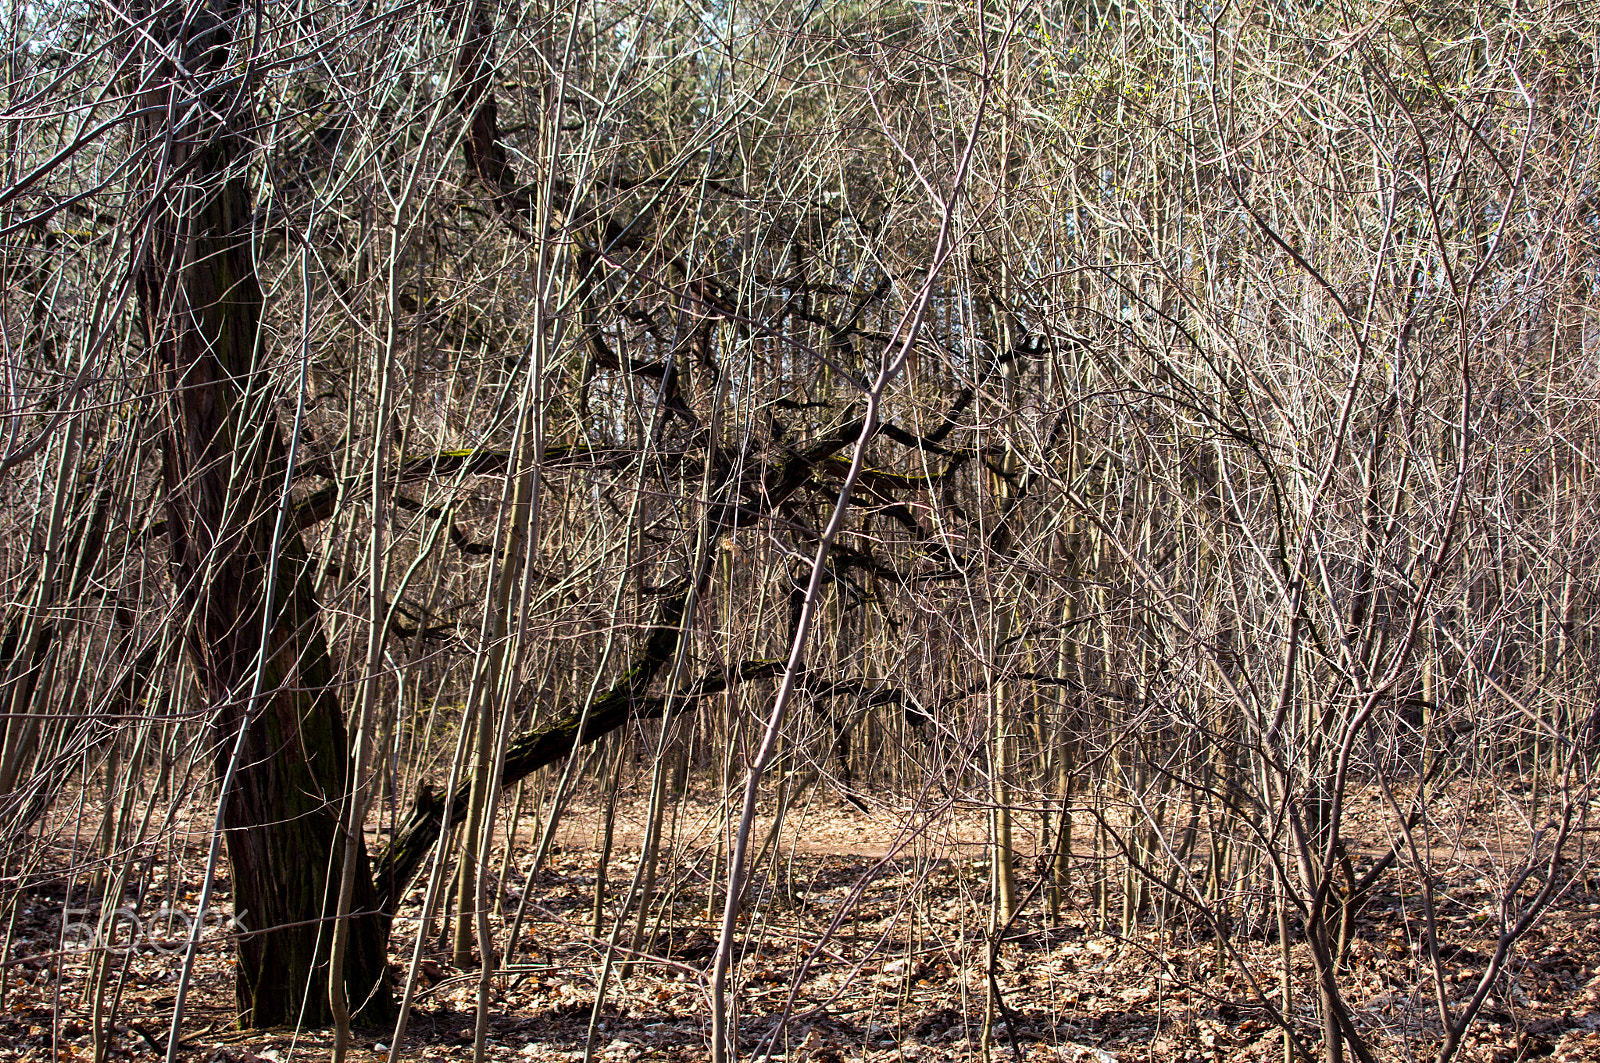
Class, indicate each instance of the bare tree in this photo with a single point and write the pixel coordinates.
(1163, 435)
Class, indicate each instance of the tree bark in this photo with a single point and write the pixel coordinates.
(253, 632)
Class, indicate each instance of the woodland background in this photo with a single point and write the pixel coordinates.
(829, 530)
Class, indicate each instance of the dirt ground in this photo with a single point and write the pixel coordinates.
(865, 938)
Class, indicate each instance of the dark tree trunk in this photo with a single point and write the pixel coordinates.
(239, 574)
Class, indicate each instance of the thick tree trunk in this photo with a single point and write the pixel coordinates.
(253, 634)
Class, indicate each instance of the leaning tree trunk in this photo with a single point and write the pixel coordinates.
(252, 625)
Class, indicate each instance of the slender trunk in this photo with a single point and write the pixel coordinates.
(597, 923)
(651, 858)
(466, 877)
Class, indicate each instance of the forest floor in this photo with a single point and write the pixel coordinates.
(865, 941)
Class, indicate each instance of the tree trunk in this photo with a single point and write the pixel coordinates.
(253, 632)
